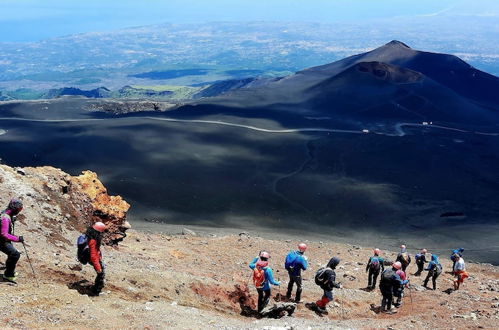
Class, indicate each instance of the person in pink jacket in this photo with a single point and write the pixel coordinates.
(7, 219)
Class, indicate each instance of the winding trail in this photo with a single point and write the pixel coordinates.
(215, 122)
(400, 131)
(398, 127)
(275, 191)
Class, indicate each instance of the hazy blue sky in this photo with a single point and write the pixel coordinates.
(29, 20)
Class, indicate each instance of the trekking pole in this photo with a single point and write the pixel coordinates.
(410, 296)
(29, 260)
(278, 296)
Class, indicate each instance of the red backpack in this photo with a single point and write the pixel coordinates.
(258, 277)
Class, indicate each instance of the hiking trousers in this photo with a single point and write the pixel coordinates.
(326, 298)
(299, 287)
(386, 301)
(372, 278)
(99, 280)
(12, 257)
(263, 299)
(420, 265)
(434, 276)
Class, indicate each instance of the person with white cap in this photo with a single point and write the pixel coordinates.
(295, 262)
(263, 277)
(420, 261)
(404, 257)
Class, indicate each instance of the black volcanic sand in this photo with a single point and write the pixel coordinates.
(367, 189)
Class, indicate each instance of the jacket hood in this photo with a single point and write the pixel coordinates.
(333, 262)
(262, 264)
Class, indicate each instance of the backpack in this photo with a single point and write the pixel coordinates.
(290, 262)
(375, 265)
(404, 258)
(438, 269)
(387, 277)
(83, 252)
(258, 277)
(320, 276)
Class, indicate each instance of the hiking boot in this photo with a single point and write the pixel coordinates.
(298, 301)
(322, 310)
(9, 278)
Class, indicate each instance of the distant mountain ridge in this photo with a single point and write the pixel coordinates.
(390, 82)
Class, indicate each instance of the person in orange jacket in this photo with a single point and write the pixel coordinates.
(94, 236)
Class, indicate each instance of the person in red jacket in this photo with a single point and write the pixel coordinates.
(94, 236)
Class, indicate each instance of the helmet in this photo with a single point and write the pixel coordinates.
(15, 204)
(424, 251)
(99, 226)
(264, 254)
(302, 247)
(377, 251)
(397, 265)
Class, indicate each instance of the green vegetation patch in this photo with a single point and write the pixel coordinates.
(177, 92)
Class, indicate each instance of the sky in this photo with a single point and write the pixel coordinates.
(33, 20)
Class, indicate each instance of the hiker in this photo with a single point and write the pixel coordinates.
(7, 221)
(374, 266)
(388, 283)
(294, 264)
(434, 270)
(94, 240)
(420, 261)
(460, 272)
(326, 279)
(403, 257)
(398, 291)
(455, 255)
(262, 278)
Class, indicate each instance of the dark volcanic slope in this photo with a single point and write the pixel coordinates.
(238, 160)
(439, 81)
(448, 70)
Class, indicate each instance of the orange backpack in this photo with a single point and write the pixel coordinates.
(258, 277)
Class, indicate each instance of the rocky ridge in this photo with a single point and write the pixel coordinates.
(157, 280)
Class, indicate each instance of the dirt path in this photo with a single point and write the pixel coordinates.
(157, 281)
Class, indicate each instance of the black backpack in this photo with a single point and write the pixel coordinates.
(320, 276)
(83, 252)
(387, 277)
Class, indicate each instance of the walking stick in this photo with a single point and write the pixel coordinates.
(32, 269)
(410, 296)
(278, 295)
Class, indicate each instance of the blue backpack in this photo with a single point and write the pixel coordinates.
(375, 265)
(290, 262)
(83, 253)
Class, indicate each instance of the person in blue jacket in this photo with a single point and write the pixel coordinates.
(261, 263)
(294, 264)
(434, 270)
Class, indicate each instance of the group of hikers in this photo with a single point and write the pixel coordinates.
(88, 243)
(392, 282)
(393, 279)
